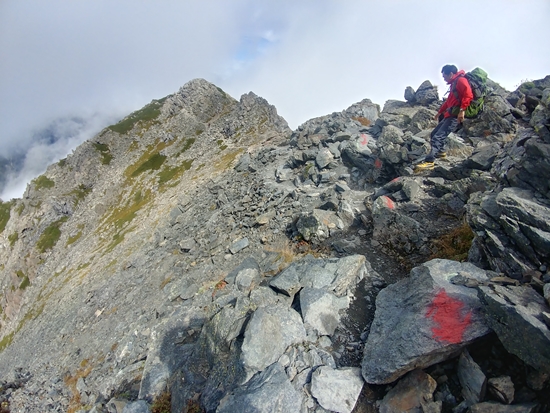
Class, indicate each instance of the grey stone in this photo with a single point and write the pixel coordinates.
(483, 158)
(239, 245)
(411, 189)
(323, 158)
(409, 94)
(515, 313)
(320, 309)
(472, 379)
(268, 334)
(426, 318)
(139, 406)
(337, 390)
(426, 93)
(268, 391)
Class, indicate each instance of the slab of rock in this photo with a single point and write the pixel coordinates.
(239, 245)
(268, 334)
(323, 158)
(338, 276)
(516, 316)
(423, 320)
(411, 394)
(269, 391)
(492, 407)
(320, 309)
(336, 389)
(472, 379)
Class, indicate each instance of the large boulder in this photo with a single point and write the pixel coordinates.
(512, 229)
(516, 314)
(422, 320)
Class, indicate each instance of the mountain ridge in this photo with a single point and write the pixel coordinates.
(141, 226)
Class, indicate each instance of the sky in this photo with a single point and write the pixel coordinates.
(75, 67)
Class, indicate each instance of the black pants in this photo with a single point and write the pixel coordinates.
(438, 137)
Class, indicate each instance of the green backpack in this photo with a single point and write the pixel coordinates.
(477, 79)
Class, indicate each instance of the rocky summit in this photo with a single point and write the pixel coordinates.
(200, 256)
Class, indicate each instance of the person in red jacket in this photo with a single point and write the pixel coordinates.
(453, 113)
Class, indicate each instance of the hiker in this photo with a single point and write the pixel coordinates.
(453, 110)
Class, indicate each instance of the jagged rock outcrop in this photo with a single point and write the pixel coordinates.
(200, 247)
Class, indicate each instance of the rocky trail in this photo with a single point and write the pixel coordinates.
(199, 256)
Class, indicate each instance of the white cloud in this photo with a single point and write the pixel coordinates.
(60, 59)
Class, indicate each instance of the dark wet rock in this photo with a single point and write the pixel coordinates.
(472, 379)
(513, 230)
(422, 320)
(515, 313)
(426, 93)
(483, 157)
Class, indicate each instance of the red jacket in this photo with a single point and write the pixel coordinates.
(465, 95)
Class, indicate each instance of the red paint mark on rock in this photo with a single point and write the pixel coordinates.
(389, 203)
(396, 179)
(377, 163)
(447, 314)
(364, 139)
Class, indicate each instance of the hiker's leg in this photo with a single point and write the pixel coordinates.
(439, 135)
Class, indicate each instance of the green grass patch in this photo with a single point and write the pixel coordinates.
(62, 162)
(72, 240)
(25, 283)
(5, 213)
(20, 208)
(227, 159)
(152, 164)
(146, 114)
(43, 182)
(150, 159)
(186, 145)
(123, 215)
(12, 238)
(221, 145)
(6, 341)
(105, 152)
(80, 193)
(50, 236)
(167, 174)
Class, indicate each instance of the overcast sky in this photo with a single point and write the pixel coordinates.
(98, 60)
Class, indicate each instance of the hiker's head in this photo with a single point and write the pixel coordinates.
(448, 71)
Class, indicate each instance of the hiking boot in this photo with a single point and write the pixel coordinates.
(424, 166)
(441, 155)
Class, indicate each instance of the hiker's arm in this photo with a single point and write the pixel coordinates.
(460, 116)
